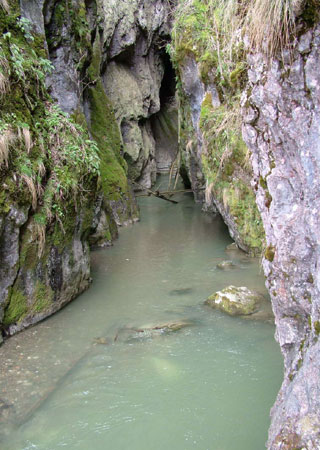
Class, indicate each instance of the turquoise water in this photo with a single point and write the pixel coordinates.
(209, 386)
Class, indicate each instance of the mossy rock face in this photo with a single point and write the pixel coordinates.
(210, 110)
(236, 301)
(17, 308)
(63, 178)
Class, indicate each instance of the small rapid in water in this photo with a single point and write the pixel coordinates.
(87, 378)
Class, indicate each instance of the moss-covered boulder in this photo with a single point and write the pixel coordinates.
(235, 301)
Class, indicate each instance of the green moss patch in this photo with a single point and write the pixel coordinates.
(17, 307)
(269, 253)
(105, 131)
(43, 297)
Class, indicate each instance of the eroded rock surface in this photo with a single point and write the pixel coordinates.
(282, 129)
(134, 65)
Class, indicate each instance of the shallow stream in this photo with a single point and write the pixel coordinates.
(208, 386)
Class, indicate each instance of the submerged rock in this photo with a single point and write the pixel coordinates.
(236, 301)
(226, 265)
(182, 291)
(5, 410)
(150, 331)
(233, 248)
(101, 341)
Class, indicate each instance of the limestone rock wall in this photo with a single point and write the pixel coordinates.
(103, 63)
(63, 180)
(134, 38)
(281, 110)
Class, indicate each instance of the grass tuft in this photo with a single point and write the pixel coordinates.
(27, 139)
(7, 138)
(269, 24)
(5, 5)
(4, 84)
(32, 189)
(39, 235)
(4, 74)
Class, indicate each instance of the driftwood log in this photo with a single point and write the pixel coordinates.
(155, 193)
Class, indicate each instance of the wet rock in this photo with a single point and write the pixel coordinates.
(201, 94)
(235, 301)
(10, 227)
(151, 331)
(226, 265)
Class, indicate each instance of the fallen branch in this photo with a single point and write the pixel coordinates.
(155, 193)
(181, 191)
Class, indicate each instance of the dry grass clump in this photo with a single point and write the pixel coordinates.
(32, 189)
(7, 138)
(267, 23)
(5, 5)
(270, 23)
(39, 235)
(4, 79)
(4, 84)
(25, 136)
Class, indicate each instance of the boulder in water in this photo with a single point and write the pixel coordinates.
(236, 301)
(226, 265)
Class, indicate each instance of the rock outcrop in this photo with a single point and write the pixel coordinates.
(105, 65)
(60, 190)
(214, 157)
(281, 111)
(134, 37)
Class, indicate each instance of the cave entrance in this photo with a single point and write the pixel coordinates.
(165, 123)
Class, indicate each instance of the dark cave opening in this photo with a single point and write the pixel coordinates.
(168, 84)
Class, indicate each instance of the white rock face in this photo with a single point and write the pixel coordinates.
(284, 139)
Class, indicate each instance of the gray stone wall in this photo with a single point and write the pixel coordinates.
(281, 110)
(134, 34)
